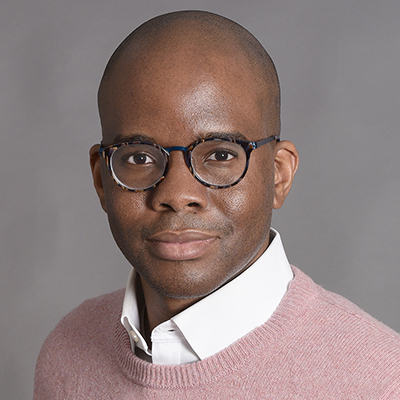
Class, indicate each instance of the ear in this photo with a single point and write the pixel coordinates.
(286, 162)
(96, 173)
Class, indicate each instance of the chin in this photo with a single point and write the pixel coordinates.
(185, 284)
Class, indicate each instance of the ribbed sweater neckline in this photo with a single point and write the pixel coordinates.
(297, 300)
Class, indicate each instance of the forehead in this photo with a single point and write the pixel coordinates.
(182, 84)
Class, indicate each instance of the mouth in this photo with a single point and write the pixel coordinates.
(181, 246)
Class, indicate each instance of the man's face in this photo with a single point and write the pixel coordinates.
(185, 239)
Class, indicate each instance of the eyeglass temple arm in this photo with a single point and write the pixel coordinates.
(265, 141)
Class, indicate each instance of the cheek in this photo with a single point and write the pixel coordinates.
(249, 206)
(250, 213)
(124, 210)
(120, 204)
(253, 196)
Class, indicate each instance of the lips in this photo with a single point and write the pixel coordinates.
(181, 246)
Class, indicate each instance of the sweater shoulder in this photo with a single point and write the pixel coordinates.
(338, 332)
(85, 331)
(333, 347)
(96, 312)
(342, 308)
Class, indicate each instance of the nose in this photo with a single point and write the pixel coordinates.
(179, 190)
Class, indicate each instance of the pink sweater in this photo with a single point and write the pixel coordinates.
(317, 345)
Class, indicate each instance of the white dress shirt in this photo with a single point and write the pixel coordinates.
(217, 320)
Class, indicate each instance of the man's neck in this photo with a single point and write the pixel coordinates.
(160, 309)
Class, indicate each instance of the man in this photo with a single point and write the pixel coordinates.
(188, 171)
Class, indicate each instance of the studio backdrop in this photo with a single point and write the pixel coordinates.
(339, 66)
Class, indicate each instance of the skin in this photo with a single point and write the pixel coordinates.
(184, 239)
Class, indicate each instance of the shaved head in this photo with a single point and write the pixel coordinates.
(197, 39)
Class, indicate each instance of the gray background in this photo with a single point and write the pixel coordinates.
(339, 66)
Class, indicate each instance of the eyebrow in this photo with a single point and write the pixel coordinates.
(224, 135)
(120, 138)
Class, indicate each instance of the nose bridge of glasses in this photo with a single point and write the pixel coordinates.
(176, 148)
(186, 153)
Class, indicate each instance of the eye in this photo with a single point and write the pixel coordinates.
(138, 158)
(221, 155)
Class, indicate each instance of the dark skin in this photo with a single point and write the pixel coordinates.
(173, 95)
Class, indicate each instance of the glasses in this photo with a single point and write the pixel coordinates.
(217, 163)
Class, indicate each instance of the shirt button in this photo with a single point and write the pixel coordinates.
(134, 336)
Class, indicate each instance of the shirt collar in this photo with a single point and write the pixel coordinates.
(227, 314)
(130, 316)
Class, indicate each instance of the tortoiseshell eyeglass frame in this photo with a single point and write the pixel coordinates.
(248, 146)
